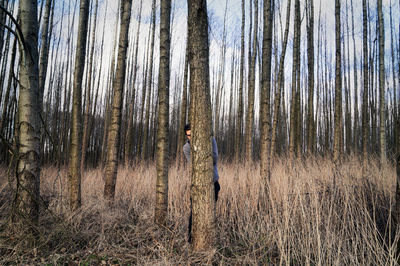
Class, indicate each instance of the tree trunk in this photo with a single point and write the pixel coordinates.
(44, 51)
(161, 209)
(90, 71)
(265, 113)
(382, 104)
(279, 87)
(365, 115)
(28, 126)
(184, 104)
(129, 130)
(74, 173)
(202, 194)
(149, 85)
(239, 127)
(296, 64)
(113, 143)
(338, 87)
(310, 62)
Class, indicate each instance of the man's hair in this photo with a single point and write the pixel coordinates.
(187, 127)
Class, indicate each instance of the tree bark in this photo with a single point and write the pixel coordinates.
(202, 194)
(239, 127)
(129, 130)
(265, 113)
(74, 173)
(161, 209)
(113, 144)
(278, 90)
(382, 104)
(365, 115)
(28, 126)
(338, 87)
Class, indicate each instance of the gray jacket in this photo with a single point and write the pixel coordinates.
(186, 151)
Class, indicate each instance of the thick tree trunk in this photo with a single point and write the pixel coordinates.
(28, 125)
(74, 173)
(161, 208)
(202, 194)
(113, 143)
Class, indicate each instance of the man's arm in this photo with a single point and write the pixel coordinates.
(186, 151)
(215, 151)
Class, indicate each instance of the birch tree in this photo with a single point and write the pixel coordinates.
(28, 126)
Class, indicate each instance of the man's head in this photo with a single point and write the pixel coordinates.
(187, 131)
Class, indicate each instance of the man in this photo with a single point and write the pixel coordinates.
(217, 188)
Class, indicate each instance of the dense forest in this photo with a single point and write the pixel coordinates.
(301, 96)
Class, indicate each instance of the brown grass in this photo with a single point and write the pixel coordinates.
(306, 220)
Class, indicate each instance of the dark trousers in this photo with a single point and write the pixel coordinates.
(217, 188)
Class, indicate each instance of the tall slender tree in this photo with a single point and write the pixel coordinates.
(310, 63)
(294, 112)
(74, 174)
(113, 143)
(203, 204)
(265, 116)
(163, 116)
(338, 87)
(365, 115)
(239, 126)
(382, 104)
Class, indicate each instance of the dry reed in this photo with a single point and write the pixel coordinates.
(307, 218)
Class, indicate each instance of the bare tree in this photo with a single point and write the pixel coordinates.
(365, 115)
(161, 208)
(265, 116)
(203, 209)
(382, 118)
(28, 126)
(113, 144)
(338, 87)
(239, 127)
(74, 173)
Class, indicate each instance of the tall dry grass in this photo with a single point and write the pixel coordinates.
(308, 219)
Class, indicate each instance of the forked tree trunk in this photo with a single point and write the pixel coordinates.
(113, 144)
(202, 194)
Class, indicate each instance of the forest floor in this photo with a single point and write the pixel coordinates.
(308, 218)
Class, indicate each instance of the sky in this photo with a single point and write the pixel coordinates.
(216, 14)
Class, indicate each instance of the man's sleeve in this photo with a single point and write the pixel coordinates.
(215, 151)
(186, 151)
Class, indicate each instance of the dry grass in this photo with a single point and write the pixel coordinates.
(306, 220)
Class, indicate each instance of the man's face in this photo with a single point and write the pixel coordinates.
(188, 134)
